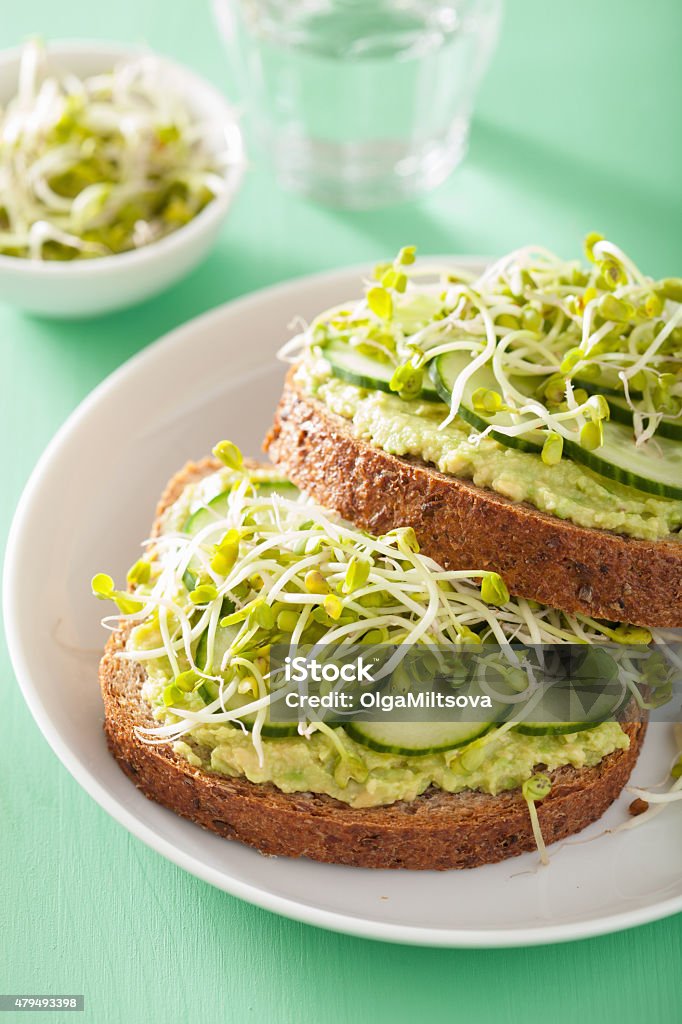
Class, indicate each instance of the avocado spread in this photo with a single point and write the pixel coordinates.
(567, 490)
(299, 765)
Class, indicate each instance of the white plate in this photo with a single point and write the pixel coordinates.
(85, 509)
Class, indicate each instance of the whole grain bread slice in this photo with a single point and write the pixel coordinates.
(463, 526)
(438, 830)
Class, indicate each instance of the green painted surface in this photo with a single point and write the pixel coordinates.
(577, 128)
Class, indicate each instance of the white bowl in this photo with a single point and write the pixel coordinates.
(88, 287)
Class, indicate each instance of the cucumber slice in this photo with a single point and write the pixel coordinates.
(608, 384)
(224, 635)
(555, 728)
(604, 707)
(618, 458)
(272, 730)
(414, 738)
(365, 372)
(217, 507)
(223, 638)
(620, 410)
(622, 413)
(594, 687)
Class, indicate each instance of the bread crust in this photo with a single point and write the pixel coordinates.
(437, 831)
(463, 526)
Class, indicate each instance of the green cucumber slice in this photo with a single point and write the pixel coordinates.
(555, 728)
(216, 507)
(224, 635)
(414, 738)
(594, 685)
(618, 458)
(609, 383)
(620, 410)
(365, 372)
(605, 706)
(622, 413)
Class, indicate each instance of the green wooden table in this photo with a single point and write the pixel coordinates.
(577, 129)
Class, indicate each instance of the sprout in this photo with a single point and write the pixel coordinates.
(508, 321)
(349, 767)
(590, 242)
(263, 615)
(241, 614)
(554, 389)
(357, 574)
(407, 380)
(571, 360)
(222, 562)
(472, 757)
(229, 455)
(395, 279)
(139, 572)
(652, 306)
(467, 636)
(287, 621)
(226, 553)
(315, 582)
(592, 435)
(630, 635)
(172, 695)
(333, 606)
(671, 289)
(598, 405)
(612, 308)
(406, 539)
(407, 255)
(203, 594)
(552, 449)
(380, 302)
(494, 590)
(531, 320)
(534, 790)
(103, 588)
(486, 400)
(622, 634)
(612, 273)
(186, 681)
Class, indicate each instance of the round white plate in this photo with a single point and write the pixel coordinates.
(88, 504)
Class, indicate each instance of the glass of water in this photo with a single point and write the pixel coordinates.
(360, 103)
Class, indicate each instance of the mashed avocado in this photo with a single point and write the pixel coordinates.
(567, 490)
(295, 764)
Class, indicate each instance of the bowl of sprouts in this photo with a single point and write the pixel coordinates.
(117, 169)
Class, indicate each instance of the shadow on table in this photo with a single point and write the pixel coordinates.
(507, 173)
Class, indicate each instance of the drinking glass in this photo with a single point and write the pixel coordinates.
(359, 103)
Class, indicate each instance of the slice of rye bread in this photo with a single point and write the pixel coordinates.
(463, 526)
(438, 830)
